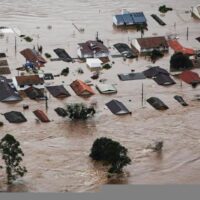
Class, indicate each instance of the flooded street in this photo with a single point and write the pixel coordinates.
(56, 153)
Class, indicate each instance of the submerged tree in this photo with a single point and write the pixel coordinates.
(110, 152)
(179, 61)
(12, 155)
(79, 111)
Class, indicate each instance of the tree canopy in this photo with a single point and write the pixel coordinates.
(79, 111)
(110, 152)
(12, 155)
(179, 62)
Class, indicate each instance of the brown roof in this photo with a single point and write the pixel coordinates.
(3, 63)
(41, 116)
(81, 88)
(33, 56)
(91, 46)
(4, 70)
(29, 80)
(152, 42)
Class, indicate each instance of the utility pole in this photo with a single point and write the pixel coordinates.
(142, 100)
(187, 32)
(15, 45)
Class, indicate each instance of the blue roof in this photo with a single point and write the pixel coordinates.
(120, 19)
(127, 18)
(138, 17)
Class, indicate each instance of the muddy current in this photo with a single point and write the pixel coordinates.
(56, 153)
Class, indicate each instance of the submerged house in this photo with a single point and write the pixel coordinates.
(4, 68)
(34, 57)
(157, 103)
(92, 49)
(190, 77)
(7, 91)
(128, 19)
(41, 116)
(94, 63)
(24, 82)
(104, 88)
(117, 107)
(81, 88)
(148, 44)
(58, 91)
(15, 117)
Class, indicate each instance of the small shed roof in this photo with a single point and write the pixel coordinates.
(41, 116)
(190, 77)
(157, 103)
(106, 88)
(131, 76)
(117, 107)
(94, 62)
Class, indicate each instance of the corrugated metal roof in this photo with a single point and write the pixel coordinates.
(128, 19)
(120, 19)
(138, 17)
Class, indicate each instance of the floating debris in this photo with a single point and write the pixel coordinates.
(47, 55)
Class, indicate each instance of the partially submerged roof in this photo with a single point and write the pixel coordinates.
(94, 63)
(190, 77)
(33, 56)
(81, 88)
(41, 116)
(152, 42)
(164, 79)
(4, 68)
(157, 103)
(138, 17)
(177, 47)
(34, 93)
(61, 112)
(29, 80)
(154, 71)
(104, 88)
(58, 91)
(48, 76)
(15, 117)
(8, 93)
(180, 100)
(91, 46)
(131, 18)
(125, 50)
(117, 107)
(131, 76)
(63, 55)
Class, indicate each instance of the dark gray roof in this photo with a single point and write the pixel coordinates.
(131, 76)
(157, 103)
(180, 100)
(63, 55)
(8, 93)
(58, 91)
(117, 107)
(154, 71)
(15, 117)
(164, 79)
(138, 18)
(61, 112)
(34, 93)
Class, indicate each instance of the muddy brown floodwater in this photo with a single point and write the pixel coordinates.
(56, 154)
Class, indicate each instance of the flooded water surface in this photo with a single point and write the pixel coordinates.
(56, 154)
